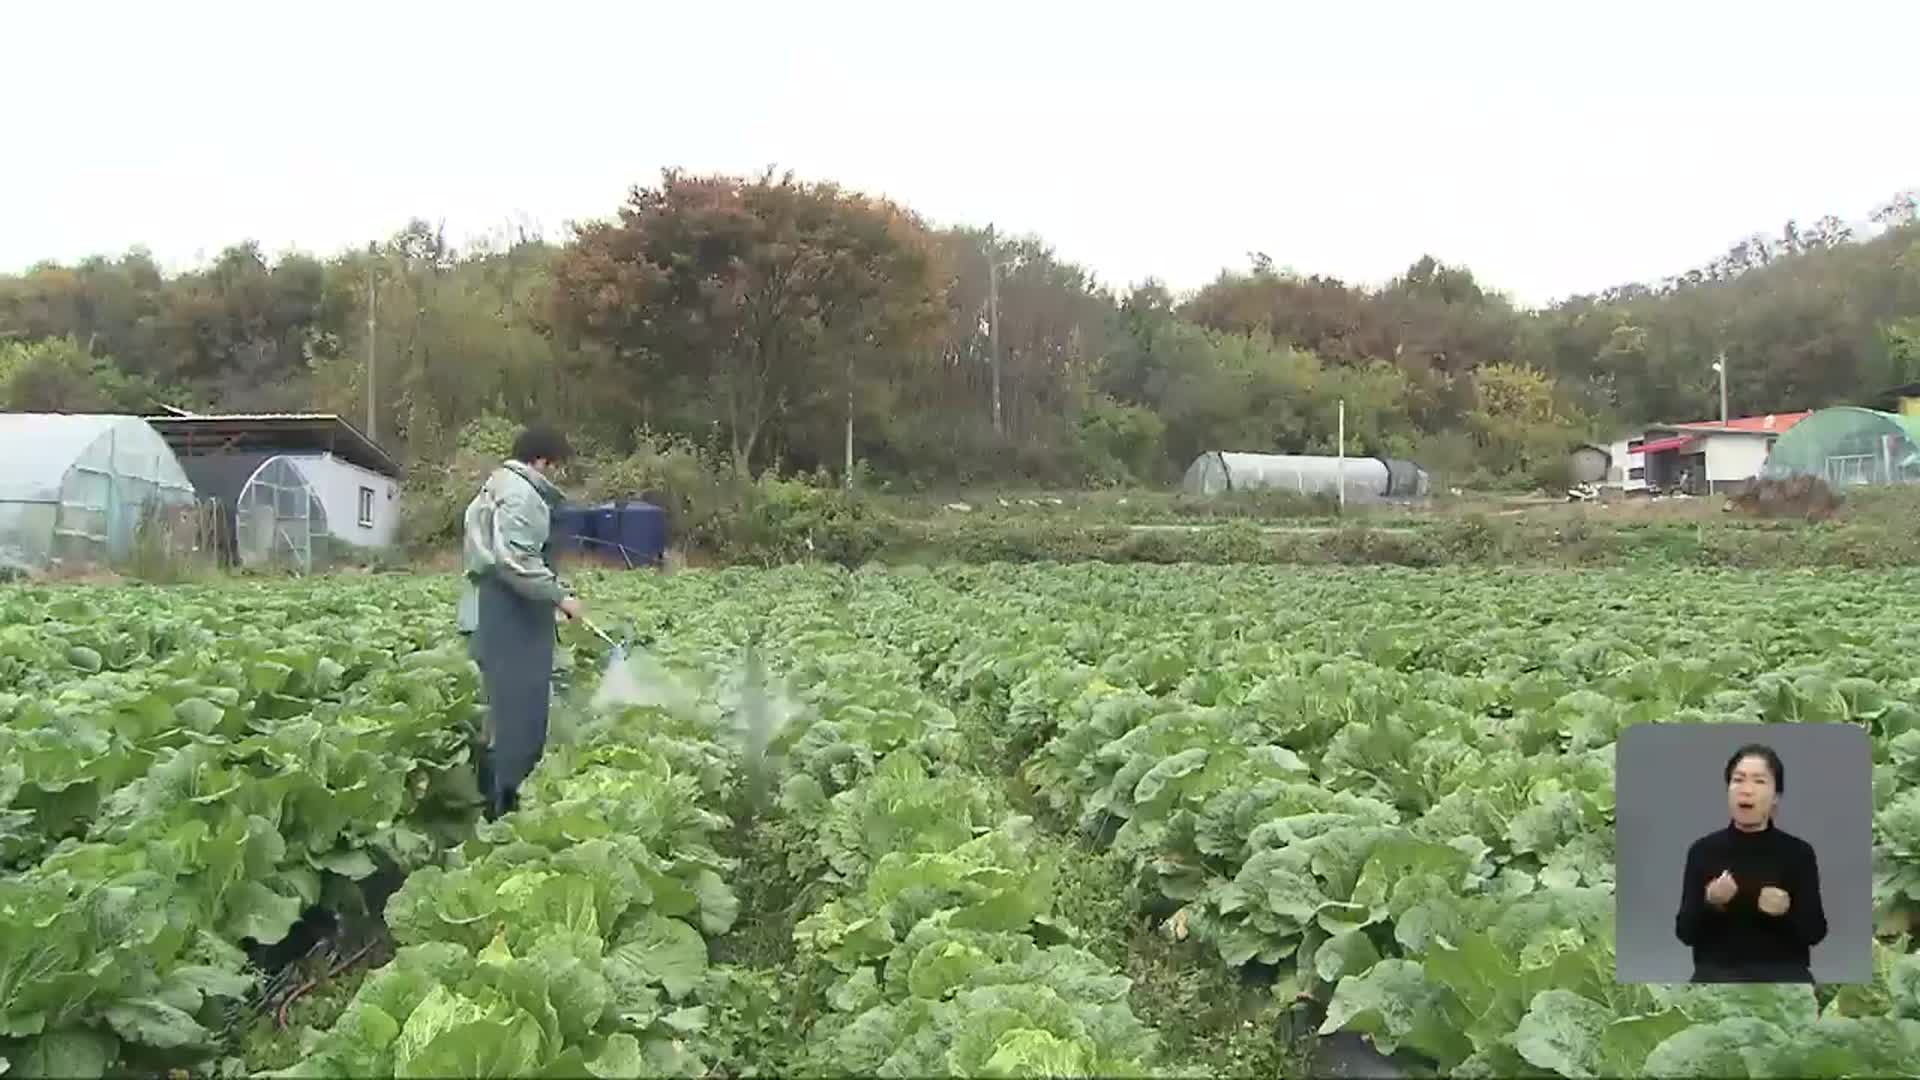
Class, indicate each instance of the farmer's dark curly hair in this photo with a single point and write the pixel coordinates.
(540, 443)
(1766, 754)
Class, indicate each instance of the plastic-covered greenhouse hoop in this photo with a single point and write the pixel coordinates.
(77, 487)
(1365, 477)
(1848, 446)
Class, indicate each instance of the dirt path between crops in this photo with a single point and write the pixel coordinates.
(1277, 530)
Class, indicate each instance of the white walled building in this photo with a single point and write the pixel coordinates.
(294, 488)
(1699, 458)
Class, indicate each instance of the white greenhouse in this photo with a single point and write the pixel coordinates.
(1366, 479)
(76, 488)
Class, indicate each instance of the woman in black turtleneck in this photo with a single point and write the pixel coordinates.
(1750, 898)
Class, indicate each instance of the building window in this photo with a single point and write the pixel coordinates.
(366, 508)
(1636, 474)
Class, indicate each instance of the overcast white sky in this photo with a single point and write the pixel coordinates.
(1554, 146)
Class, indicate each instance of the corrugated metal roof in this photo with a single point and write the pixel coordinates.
(244, 417)
(195, 434)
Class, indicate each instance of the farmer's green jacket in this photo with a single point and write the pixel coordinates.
(507, 527)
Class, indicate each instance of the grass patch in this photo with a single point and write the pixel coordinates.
(265, 1046)
(771, 901)
(1212, 1022)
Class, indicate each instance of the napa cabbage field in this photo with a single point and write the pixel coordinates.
(1082, 820)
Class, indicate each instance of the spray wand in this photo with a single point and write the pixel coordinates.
(601, 634)
(616, 650)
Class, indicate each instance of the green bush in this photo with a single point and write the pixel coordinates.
(936, 453)
(1234, 542)
(700, 494)
(985, 541)
(710, 508)
(1867, 546)
(1268, 505)
(1159, 546)
(1360, 545)
(1121, 444)
(434, 499)
(783, 521)
(63, 375)
(1469, 538)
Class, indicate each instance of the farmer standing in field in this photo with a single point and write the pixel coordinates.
(508, 609)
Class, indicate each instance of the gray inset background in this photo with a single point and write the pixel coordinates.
(1669, 791)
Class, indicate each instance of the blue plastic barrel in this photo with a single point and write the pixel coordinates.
(568, 529)
(642, 531)
(617, 533)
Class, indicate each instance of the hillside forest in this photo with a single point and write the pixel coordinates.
(766, 324)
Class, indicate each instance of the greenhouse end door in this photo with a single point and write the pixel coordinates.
(84, 530)
(118, 540)
(1857, 470)
(1852, 470)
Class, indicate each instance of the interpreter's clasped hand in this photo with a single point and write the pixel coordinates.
(1721, 889)
(1774, 901)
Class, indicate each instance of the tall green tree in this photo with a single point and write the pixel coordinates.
(746, 295)
(59, 375)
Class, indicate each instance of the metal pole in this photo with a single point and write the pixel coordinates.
(1722, 366)
(1341, 438)
(848, 479)
(993, 322)
(372, 430)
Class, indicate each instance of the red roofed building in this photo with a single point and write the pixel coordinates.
(1698, 457)
(1770, 424)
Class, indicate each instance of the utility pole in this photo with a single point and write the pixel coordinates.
(372, 432)
(848, 479)
(1720, 365)
(993, 323)
(1341, 438)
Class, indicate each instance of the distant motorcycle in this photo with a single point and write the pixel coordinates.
(1582, 493)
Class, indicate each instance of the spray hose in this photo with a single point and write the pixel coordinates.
(599, 633)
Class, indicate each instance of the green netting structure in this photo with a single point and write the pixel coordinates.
(76, 488)
(1848, 447)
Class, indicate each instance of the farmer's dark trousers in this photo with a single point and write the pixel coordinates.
(513, 644)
